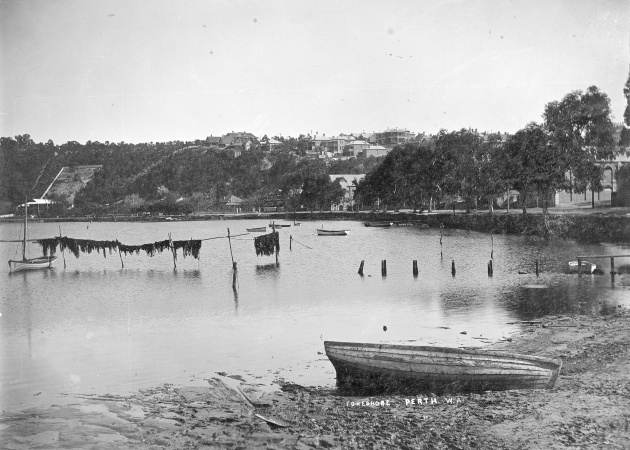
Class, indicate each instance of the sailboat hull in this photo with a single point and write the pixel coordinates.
(31, 264)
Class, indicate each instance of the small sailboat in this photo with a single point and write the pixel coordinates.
(25, 263)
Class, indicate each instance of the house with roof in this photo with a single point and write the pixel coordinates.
(355, 148)
(375, 150)
(318, 141)
(235, 202)
(609, 179)
(393, 136)
(348, 183)
(336, 145)
(214, 141)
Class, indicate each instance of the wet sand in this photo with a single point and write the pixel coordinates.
(588, 408)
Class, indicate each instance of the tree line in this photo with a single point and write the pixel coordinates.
(171, 177)
(561, 153)
(180, 177)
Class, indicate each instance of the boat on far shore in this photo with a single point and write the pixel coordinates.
(257, 230)
(587, 267)
(332, 232)
(390, 368)
(379, 224)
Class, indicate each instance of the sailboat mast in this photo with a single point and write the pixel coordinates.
(25, 225)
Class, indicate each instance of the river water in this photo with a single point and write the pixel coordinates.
(94, 327)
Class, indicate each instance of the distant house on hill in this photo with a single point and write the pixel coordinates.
(318, 141)
(355, 148)
(214, 141)
(272, 144)
(375, 150)
(235, 143)
(335, 145)
(393, 136)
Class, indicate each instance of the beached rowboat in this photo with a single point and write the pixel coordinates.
(387, 368)
(332, 232)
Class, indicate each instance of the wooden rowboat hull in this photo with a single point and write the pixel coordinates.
(364, 369)
(31, 264)
(257, 230)
(332, 232)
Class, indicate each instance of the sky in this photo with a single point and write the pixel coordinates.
(156, 70)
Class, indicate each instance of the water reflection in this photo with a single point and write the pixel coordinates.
(148, 323)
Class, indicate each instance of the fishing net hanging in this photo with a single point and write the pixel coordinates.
(267, 244)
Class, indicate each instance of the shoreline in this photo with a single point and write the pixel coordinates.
(611, 226)
(587, 407)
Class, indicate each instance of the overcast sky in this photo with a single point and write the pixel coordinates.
(156, 70)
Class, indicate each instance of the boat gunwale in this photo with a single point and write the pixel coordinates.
(449, 350)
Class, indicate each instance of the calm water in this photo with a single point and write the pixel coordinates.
(95, 327)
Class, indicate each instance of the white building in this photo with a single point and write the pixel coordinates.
(347, 182)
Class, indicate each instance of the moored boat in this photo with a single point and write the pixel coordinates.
(271, 225)
(379, 224)
(389, 368)
(332, 232)
(43, 262)
(257, 230)
(587, 267)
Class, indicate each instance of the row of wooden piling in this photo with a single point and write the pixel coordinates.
(453, 269)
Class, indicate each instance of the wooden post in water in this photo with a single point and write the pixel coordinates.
(62, 252)
(384, 267)
(415, 267)
(537, 271)
(492, 251)
(361, 268)
(490, 268)
(170, 242)
(275, 250)
(612, 269)
(441, 254)
(453, 268)
(579, 267)
(231, 255)
(290, 241)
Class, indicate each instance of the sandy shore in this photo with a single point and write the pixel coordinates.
(588, 408)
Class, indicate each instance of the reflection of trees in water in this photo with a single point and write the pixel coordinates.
(265, 269)
(192, 273)
(530, 302)
(461, 299)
